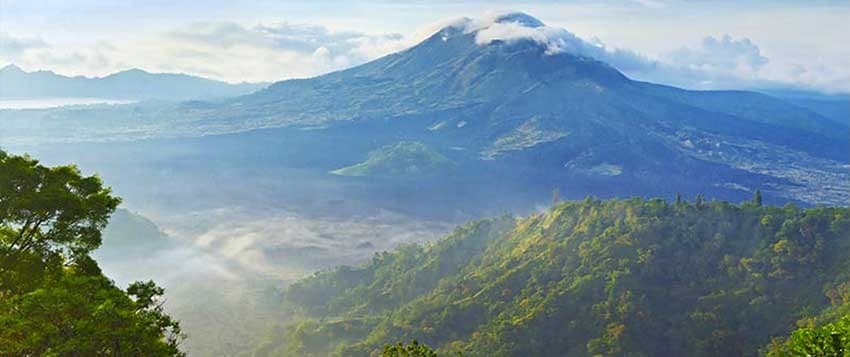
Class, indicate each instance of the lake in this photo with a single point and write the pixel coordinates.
(41, 103)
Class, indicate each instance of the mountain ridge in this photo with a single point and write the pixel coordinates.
(132, 84)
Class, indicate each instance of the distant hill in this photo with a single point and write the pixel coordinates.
(133, 84)
(132, 245)
(610, 278)
(835, 107)
(132, 236)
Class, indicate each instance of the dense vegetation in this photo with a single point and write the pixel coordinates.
(832, 339)
(824, 335)
(54, 300)
(414, 349)
(620, 277)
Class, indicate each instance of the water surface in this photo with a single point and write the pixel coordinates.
(54, 102)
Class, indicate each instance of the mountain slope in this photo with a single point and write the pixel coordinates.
(134, 84)
(833, 107)
(636, 277)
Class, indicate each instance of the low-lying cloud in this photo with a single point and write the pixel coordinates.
(285, 245)
(224, 274)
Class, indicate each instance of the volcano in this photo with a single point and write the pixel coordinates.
(519, 94)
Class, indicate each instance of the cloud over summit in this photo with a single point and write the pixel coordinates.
(517, 26)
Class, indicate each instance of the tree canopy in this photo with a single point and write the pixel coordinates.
(832, 339)
(47, 210)
(54, 300)
(413, 349)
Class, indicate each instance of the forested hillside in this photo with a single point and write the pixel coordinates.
(619, 277)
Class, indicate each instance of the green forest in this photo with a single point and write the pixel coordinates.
(630, 277)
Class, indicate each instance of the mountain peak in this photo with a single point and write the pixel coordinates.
(468, 25)
(131, 71)
(11, 68)
(518, 27)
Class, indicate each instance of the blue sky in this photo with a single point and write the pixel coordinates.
(704, 44)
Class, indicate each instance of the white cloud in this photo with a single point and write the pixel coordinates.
(220, 50)
(720, 55)
(277, 51)
(738, 63)
(653, 4)
(12, 46)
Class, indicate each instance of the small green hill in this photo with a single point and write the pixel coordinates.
(130, 234)
(406, 158)
(610, 278)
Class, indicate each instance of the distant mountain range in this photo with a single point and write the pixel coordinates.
(133, 84)
(513, 109)
(832, 106)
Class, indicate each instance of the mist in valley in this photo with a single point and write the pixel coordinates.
(224, 269)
